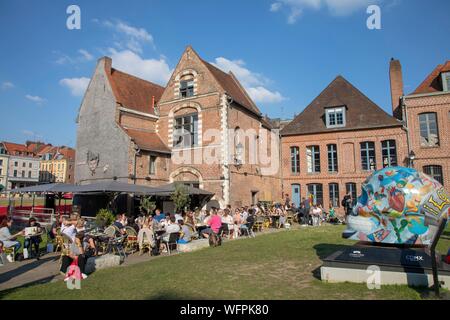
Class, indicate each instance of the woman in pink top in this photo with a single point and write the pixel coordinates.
(215, 222)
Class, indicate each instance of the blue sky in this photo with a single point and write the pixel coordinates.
(285, 52)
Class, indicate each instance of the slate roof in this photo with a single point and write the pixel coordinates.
(361, 112)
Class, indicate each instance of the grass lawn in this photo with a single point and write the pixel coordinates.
(280, 265)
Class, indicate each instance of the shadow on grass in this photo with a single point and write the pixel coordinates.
(4, 277)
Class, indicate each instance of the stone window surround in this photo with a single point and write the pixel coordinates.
(190, 170)
(171, 118)
(176, 89)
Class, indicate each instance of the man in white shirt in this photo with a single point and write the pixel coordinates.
(172, 227)
(68, 229)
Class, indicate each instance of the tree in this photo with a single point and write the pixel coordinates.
(180, 197)
(147, 204)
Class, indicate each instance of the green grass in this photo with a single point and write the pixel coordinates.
(275, 266)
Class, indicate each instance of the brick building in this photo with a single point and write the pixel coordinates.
(202, 129)
(332, 146)
(426, 113)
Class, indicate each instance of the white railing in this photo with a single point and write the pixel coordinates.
(44, 216)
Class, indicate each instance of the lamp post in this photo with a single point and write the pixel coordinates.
(411, 157)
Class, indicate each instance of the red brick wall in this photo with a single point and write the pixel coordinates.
(440, 104)
(349, 158)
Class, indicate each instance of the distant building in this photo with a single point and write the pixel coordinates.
(57, 165)
(330, 148)
(23, 166)
(426, 113)
(4, 165)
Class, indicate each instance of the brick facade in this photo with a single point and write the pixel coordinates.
(349, 159)
(426, 156)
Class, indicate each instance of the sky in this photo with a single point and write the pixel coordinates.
(284, 52)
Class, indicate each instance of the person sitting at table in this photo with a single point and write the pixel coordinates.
(88, 241)
(185, 235)
(35, 240)
(8, 239)
(171, 227)
(228, 220)
(76, 252)
(214, 223)
(189, 220)
(68, 228)
(147, 230)
(119, 223)
(53, 232)
(159, 215)
(237, 220)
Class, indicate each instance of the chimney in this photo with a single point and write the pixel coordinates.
(396, 79)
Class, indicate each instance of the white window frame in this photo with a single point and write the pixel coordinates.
(335, 112)
(445, 77)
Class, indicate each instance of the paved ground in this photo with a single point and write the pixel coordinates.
(30, 272)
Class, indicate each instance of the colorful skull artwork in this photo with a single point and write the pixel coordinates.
(398, 206)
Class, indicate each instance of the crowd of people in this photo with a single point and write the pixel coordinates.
(154, 229)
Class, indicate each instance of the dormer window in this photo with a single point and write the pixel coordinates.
(446, 81)
(187, 88)
(335, 117)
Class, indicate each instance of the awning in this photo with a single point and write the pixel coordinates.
(168, 189)
(111, 186)
(49, 187)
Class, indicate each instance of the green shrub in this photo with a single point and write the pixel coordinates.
(104, 218)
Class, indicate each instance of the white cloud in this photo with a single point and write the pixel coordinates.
(154, 70)
(35, 99)
(86, 55)
(77, 86)
(253, 82)
(7, 85)
(32, 134)
(134, 38)
(262, 95)
(295, 8)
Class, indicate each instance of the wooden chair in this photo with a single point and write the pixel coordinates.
(172, 242)
(131, 244)
(145, 245)
(258, 225)
(65, 248)
(11, 251)
(59, 241)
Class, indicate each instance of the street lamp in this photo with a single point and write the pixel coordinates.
(411, 157)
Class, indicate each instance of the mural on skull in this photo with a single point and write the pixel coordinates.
(398, 206)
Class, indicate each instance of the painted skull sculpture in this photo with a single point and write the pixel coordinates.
(398, 206)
